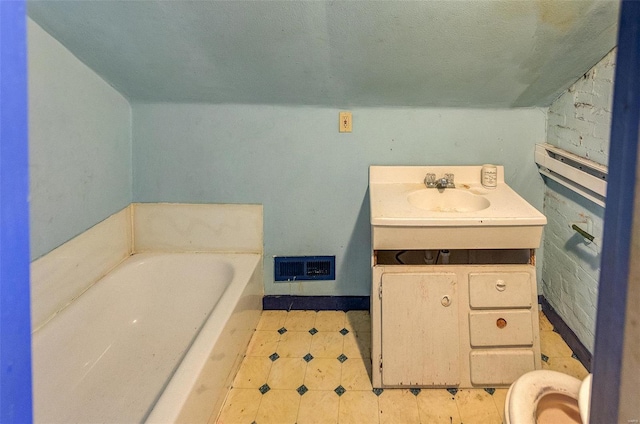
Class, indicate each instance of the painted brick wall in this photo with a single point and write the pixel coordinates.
(578, 121)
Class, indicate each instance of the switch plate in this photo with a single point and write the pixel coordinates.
(345, 123)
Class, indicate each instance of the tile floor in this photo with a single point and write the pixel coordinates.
(314, 367)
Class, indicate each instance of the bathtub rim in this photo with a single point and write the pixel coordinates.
(175, 395)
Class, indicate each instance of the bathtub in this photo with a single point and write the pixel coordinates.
(157, 340)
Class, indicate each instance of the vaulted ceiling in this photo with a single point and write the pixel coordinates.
(461, 53)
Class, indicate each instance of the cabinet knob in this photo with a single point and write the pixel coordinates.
(446, 301)
(501, 285)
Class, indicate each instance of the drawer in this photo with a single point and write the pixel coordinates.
(500, 290)
(500, 328)
(499, 366)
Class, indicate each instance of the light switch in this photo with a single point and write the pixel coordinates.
(345, 122)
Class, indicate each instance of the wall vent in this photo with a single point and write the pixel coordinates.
(292, 268)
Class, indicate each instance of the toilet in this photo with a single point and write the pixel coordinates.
(546, 396)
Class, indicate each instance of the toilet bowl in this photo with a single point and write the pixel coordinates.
(546, 396)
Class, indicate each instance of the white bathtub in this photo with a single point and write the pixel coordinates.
(158, 339)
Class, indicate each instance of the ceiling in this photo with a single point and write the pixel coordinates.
(455, 53)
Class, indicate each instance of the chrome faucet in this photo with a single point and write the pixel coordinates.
(430, 181)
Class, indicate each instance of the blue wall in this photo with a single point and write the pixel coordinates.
(311, 179)
(79, 145)
(578, 121)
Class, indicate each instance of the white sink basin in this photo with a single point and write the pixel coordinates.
(447, 200)
(407, 215)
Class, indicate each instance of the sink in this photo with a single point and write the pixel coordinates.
(448, 200)
(405, 215)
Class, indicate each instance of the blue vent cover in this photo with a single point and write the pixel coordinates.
(292, 268)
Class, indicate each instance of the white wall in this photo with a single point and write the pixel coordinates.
(579, 121)
(79, 145)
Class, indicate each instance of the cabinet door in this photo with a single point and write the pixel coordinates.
(420, 343)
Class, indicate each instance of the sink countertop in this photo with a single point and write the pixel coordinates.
(389, 187)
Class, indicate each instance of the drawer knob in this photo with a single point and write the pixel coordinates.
(501, 323)
(446, 301)
(501, 285)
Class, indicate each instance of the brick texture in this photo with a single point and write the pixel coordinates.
(578, 121)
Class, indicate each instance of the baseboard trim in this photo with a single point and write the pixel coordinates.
(316, 303)
(570, 338)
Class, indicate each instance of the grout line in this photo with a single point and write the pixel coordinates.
(259, 403)
(337, 414)
(378, 406)
(415, 399)
(266, 356)
(458, 407)
(495, 405)
(306, 368)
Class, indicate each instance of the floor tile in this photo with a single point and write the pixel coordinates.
(477, 406)
(499, 398)
(272, 320)
(327, 344)
(294, 344)
(437, 406)
(330, 320)
(319, 407)
(240, 407)
(358, 407)
(323, 374)
(398, 406)
(278, 407)
(545, 324)
(356, 374)
(358, 404)
(253, 372)
(358, 321)
(287, 373)
(552, 345)
(263, 343)
(300, 320)
(357, 345)
(566, 365)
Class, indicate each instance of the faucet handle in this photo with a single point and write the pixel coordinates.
(430, 180)
(450, 182)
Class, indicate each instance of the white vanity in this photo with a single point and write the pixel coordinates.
(454, 298)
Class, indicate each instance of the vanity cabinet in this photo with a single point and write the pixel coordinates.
(464, 324)
(462, 317)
